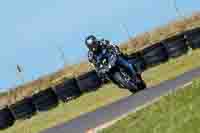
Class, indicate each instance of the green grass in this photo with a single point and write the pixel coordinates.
(107, 94)
(176, 113)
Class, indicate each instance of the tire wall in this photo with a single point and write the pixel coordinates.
(193, 38)
(45, 100)
(23, 109)
(154, 55)
(88, 82)
(67, 90)
(176, 46)
(6, 118)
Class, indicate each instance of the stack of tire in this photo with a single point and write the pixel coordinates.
(176, 46)
(155, 54)
(89, 82)
(42, 101)
(6, 118)
(67, 90)
(45, 100)
(193, 38)
(172, 47)
(23, 109)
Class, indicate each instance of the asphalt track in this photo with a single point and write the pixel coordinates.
(128, 104)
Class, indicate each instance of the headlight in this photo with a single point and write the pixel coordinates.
(101, 66)
(109, 66)
(104, 61)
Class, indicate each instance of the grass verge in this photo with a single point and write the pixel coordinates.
(178, 112)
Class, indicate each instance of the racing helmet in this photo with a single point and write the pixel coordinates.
(91, 42)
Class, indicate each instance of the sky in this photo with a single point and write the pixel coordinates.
(32, 32)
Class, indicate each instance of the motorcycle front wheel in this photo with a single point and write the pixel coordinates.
(122, 79)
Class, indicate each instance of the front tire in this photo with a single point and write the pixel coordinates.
(141, 85)
(123, 80)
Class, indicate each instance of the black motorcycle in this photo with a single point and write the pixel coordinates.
(108, 69)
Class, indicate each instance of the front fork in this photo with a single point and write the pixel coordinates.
(131, 70)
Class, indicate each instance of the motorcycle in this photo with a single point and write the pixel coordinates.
(107, 69)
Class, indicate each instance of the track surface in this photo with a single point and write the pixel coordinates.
(128, 104)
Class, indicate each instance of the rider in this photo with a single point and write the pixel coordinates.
(96, 48)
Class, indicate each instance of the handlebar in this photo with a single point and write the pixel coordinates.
(106, 62)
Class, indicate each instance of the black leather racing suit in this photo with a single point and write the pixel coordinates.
(104, 45)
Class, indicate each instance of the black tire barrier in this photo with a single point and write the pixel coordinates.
(193, 37)
(6, 118)
(137, 60)
(176, 46)
(67, 90)
(88, 82)
(154, 55)
(23, 109)
(45, 100)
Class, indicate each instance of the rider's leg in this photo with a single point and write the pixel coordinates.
(124, 63)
